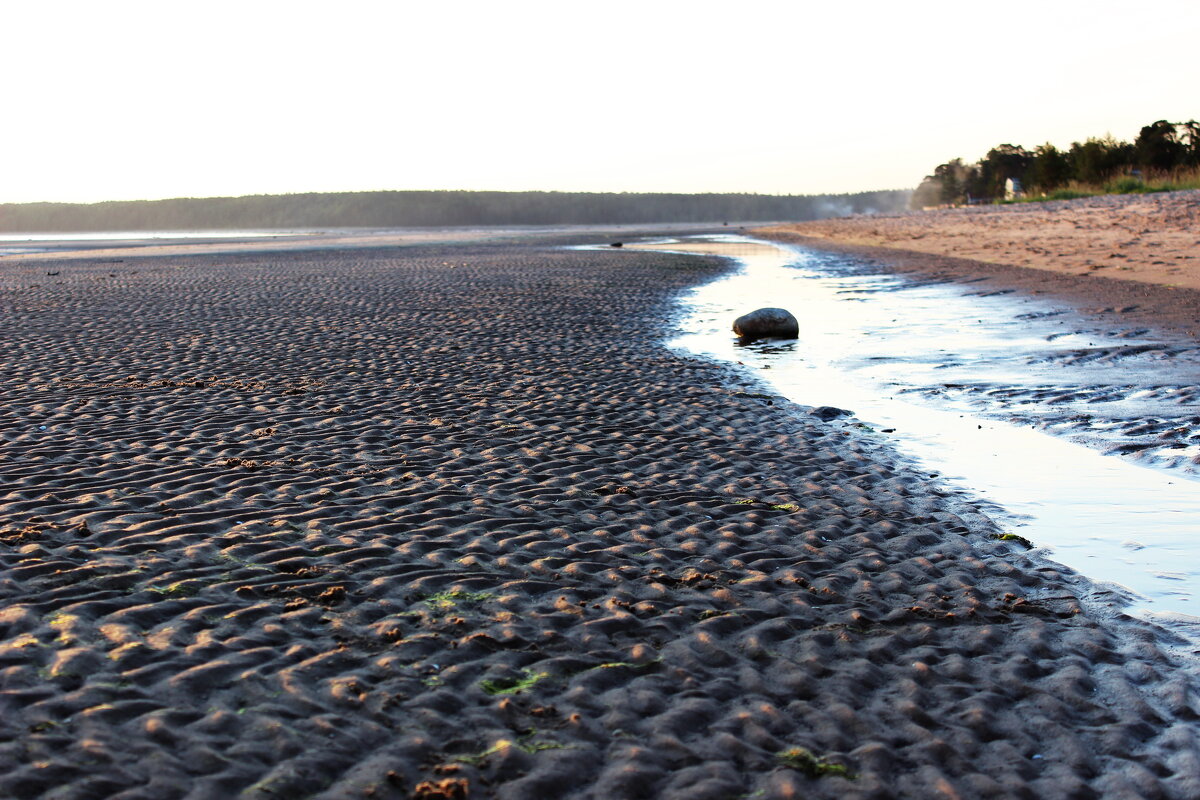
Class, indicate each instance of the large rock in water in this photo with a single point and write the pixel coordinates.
(767, 323)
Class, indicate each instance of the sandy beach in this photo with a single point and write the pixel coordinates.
(1150, 238)
(447, 520)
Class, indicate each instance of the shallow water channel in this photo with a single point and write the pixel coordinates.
(25, 243)
(882, 346)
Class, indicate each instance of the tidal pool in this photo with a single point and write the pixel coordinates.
(988, 392)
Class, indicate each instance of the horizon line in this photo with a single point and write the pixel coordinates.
(435, 191)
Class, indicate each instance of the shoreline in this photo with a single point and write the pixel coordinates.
(393, 521)
(1107, 301)
(1149, 238)
(976, 435)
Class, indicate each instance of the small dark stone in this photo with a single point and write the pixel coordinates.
(829, 412)
(617, 244)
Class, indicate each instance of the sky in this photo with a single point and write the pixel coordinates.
(144, 100)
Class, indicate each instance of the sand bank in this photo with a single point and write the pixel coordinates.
(1153, 238)
(449, 521)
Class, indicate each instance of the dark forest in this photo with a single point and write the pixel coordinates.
(400, 209)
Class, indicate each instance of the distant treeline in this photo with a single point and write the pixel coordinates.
(433, 209)
(1162, 150)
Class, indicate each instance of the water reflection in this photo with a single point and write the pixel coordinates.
(766, 346)
(121, 236)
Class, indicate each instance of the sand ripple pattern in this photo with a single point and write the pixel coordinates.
(451, 523)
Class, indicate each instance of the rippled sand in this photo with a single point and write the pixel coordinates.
(450, 521)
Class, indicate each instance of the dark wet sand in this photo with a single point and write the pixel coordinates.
(450, 522)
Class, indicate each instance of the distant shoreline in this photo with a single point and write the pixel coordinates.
(407, 209)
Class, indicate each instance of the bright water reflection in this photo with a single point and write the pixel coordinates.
(121, 236)
(1112, 520)
(12, 244)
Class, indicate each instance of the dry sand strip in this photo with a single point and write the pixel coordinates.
(450, 522)
(1153, 238)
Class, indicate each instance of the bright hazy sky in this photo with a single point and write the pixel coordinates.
(124, 100)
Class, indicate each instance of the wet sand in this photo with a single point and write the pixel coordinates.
(450, 521)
